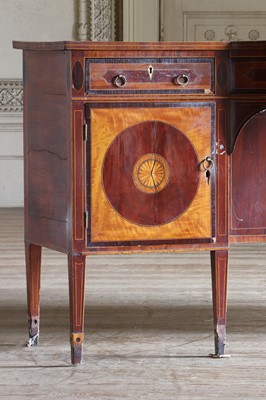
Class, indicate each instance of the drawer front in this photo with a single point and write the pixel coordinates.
(149, 75)
(249, 76)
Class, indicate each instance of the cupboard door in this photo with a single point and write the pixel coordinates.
(147, 176)
(248, 184)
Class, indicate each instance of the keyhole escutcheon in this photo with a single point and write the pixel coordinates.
(150, 71)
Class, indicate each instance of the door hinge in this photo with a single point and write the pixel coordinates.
(85, 132)
(86, 219)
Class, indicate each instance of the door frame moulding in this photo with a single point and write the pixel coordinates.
(11, 96)
(112, 20)
(99, 20)
(224, 26)
(136, 13)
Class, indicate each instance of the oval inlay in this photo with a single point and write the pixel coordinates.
(77, 75)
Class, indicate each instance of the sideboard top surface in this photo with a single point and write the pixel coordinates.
(156, 46)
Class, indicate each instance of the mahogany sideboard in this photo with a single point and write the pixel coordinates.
(141, 147)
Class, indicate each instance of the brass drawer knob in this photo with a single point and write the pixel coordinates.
(120, 81)
(181, 80)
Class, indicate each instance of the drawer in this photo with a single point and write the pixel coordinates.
(248, 76)
(149, 75)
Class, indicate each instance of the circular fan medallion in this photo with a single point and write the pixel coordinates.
(151, 173)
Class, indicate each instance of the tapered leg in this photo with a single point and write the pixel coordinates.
(219, 268)
(33, 273)
(76, 270)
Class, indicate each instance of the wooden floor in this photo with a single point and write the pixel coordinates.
(148, 327)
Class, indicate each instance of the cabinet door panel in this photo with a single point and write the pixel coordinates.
(147, 177)
(248, 170)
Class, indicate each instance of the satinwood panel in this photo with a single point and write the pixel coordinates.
(147, 178)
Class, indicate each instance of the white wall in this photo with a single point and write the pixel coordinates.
(31, 20)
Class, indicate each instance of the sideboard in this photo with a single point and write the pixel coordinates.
(141, 147)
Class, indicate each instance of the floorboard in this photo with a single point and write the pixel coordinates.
(148, 328)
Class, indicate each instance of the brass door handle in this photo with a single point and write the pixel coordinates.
(120, 80)
(207, 164)
(181, 80)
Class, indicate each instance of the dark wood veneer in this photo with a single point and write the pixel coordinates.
(131, 145)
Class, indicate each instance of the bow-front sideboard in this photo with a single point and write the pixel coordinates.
(141, 147)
